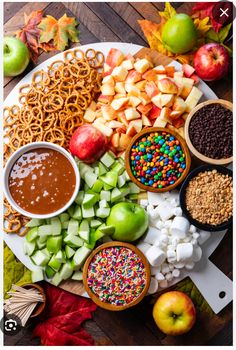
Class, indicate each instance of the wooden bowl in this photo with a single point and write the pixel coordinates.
(41, 305)
(182, 195)
(93, 296)
(184, 148)
(193, 150)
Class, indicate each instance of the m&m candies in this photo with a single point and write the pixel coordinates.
(157, 159)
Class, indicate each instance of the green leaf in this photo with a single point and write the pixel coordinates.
(223, 32)
(168, 12)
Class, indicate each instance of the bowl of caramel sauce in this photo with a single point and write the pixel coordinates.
(41, 180)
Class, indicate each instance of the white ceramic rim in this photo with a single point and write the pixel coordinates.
(12, 160)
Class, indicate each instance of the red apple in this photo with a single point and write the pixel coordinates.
(211, 62)
(88, 143)
(174, 313)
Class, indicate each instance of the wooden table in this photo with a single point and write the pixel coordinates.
(118, 22)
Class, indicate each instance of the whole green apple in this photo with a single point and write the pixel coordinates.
(15, 56)
(130, 221)
(174, 313)
(179, 34)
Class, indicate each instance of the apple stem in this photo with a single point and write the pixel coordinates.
(6, 49)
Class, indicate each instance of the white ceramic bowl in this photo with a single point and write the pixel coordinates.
(13, 158)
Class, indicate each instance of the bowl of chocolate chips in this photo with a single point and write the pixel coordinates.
(209, 132)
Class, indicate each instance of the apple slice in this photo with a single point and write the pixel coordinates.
(134, 101)
(117, 96)
(167, 86)
(119, 103)
(107, 89)
(104, 129)
(195, 78)
(162, 120)
(179, 105)
(92, 106)
(150, 75)
(128, 64)
(185, 116)
(157, 100)
(99, 120)
(167, 100)
(107, 70)
(144, 98)
(113, 124)
(185, 90)
(131, 131)
(108, 112)
(137, 124)
(124, 141)
(170, 70)
(141, 85)
(114, 57)
(120, 87)
(89, 115)
(115, 140)
(193, 98)
(122, 119)
(132, 90)
(178, 74)
(177, 123)
(133, 76)
(142, 65)
(188, 70)
(154, 112)
(105, 98)
(175, 115)
(160, 69)
(146, 121)
(131, 113)
(119, 73)
(108, 80)
(151, 89)
(144, 109)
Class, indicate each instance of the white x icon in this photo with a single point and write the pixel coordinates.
(224, 12)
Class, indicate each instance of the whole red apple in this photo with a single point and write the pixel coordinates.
(174, 313)
(211, 62)
(88, 143)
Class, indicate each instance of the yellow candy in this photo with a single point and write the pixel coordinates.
(161, 163)
(152, 164)
(144, 168)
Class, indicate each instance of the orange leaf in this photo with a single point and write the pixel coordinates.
(30, 33)
(59, 31)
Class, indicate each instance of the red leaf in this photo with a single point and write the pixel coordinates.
(204, 9)
(61, 322)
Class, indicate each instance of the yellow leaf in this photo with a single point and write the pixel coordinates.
(168, 12)
(152, 32)
(202, 25)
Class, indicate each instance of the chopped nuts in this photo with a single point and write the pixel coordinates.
(209, 197)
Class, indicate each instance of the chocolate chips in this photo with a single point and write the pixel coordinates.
(211, 131)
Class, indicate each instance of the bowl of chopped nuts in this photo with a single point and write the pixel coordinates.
(206, 197)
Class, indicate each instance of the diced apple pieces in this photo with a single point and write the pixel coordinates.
(145, 99)
(142, 65)
(131, 131)
(105, 98)
(154, 112)
(175, 114)
(151, 89)
(128, 64)
(131, 113)
(150, 75)
(162, 120)
(188, 70)
(108, 113)
(108, 80)
(137, 124)
(160, 69)
(146, 121)
(144, 109)
(124, 141)
(115, 140)
(133, 77)
(193, 98)
(119, 103)
(162, 100)
(104, 129)
(179, 105)
(132, 90)
(115, 124)
(134, 101)
(120, 73)
(107, 89)
(167, 86)
(141, 85)
(120, 87)
(114, 57)
(89, 115)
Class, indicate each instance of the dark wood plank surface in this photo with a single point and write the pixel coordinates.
(117, 21)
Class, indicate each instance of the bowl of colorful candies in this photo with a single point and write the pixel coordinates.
(157, 159)
(116, 276)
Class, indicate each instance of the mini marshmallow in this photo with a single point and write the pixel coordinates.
(153, 214)
(189, 265)
(171, 247)
(175, 241)
(164, 231)
(159, 224)
(192, 229)
(197, 253)
(193, 241)
(163, 284)
(164, 239)
(179, 265)
(184, 251)
(143, 202)
(165, 211)
(153, 286)
(173, 195)
(169, 276)
(179, 227)
(175, 273)
(204, 236)
(171, 254)
(187, 239)
(155, 256)
(196, 235)
(150, 207)
(165, 268)
(157, 243)
(159, 276)
(155, 198)
(143, 246)
(173, 202)
(151, 235)
(155, 270)
(178, 211)
(167, 224)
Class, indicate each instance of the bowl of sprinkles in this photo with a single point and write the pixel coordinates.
(116, 276)
(157, 159)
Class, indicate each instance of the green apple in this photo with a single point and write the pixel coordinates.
(130, 221)
(179, 34)
(174, 313)
(15, 56)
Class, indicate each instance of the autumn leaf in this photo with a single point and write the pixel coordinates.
(30, 34)
(59, 31)
(168, 12)
(202, 26)
(205, 9)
